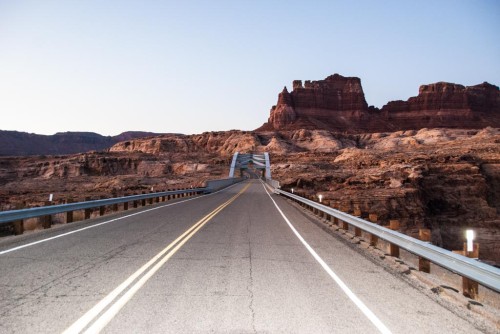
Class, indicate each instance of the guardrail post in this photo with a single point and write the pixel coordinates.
(373, 217)
(69, 214)
(125, 204)
(424, 265)
(134, 202)
(357, 230)
(470, 288)
(102, 209)
(87, 212)
(150, 200)
(143, 201)
(394, 249)
(47, 220)
(18, 225)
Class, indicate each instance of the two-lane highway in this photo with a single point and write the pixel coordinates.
(237, 261)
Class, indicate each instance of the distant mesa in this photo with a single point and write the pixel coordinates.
(14, 143)
(338, 103)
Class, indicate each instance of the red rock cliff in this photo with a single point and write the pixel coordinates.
(446, 105)
(331, 103)
(338, 104)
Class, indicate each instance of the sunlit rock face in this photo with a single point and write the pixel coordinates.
(333, 103)
(338, 103)
(447, 105)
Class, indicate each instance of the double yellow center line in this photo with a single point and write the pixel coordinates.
(113, 302)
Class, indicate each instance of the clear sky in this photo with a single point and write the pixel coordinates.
(194, 66)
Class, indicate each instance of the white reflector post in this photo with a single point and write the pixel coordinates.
(320, 198)
(469, 235)
(51, 197)
(292, 190)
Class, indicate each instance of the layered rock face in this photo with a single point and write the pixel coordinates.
(443, 179)
(446, 105)
(338, 104)
(332, 103)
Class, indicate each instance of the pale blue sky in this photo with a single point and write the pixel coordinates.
(194, 66)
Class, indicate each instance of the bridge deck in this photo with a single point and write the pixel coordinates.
(244, 270)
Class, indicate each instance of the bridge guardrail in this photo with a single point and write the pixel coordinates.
(7, 217)
(13, 215)
(482, 273)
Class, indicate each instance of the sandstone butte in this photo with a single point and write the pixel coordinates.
(338, 103)
(432, 161)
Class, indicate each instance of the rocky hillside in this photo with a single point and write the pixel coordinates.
(338, 104)
(14, 143)
(322, 138)
(443, 179)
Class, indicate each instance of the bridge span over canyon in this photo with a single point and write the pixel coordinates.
(242, 259)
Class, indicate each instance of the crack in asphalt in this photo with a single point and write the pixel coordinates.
(250, 280)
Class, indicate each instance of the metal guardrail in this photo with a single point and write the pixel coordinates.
(7, 217)
(273, 183)
(482, 273)
(13, 215)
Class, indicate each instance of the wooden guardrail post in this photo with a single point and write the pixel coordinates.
(344, 225)
(47, 220)
(424, 265)
(102, 208)
(87, 212)
(373, 217)
(143, 201)
(18, 225)
(334, 219)
(470, 288)
(394, 249)
(357, 230)
(134, 203)
(125, 204)
(69, 214)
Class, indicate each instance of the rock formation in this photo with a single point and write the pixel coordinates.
(14, 143)
(338, 104)
(334, 103)
(446, 105)
(323, 138)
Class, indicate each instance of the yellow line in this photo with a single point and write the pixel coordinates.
(104, 319)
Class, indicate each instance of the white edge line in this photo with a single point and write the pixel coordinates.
(106, 222)
(366, 311)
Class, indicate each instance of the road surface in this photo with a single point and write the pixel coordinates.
(229, 262)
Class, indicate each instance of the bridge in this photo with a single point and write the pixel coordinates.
(236, 259)
(242, 161)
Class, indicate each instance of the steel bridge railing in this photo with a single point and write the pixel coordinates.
(484, 274)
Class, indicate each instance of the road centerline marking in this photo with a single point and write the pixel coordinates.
(155, 264)
(363, 308)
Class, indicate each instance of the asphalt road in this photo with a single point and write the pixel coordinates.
(224, 263)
